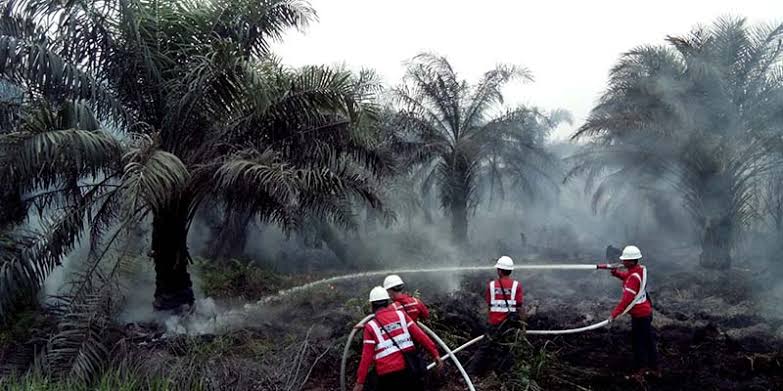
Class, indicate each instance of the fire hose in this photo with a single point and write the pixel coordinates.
(451, 353)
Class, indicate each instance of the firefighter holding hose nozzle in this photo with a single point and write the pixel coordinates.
(389, 344)
(635, 294)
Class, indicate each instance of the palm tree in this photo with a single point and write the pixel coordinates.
(11, 109)
(458, 137)
(199, 116)
(697, 118)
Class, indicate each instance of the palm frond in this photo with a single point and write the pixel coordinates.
(18, 277)
(152, 178)
(46, 159)
(37, 66)
(80, 348)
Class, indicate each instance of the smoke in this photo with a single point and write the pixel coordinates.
(647, 206)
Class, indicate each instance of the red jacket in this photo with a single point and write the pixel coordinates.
(632, 281)
(412, 306)
(502, 291)
(379, 349)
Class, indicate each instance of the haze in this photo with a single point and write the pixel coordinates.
(568, 45)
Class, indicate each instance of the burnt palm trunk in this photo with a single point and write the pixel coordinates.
(173, 288)
(13, 210)
(230, 237)
(334, 242)
(716, 244)
(459, 187)
(717, 227)
(459, 221)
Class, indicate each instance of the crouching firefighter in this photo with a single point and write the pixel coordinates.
(504, 297)
(389, 344)
(635, 294)
(412, 306)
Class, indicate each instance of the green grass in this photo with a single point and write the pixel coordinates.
(238, 279)
(21, 325)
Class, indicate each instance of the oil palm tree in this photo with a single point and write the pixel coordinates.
(699, 118)
(197, 113)
(458, 133)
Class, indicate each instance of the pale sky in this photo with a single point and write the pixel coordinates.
(568, 45)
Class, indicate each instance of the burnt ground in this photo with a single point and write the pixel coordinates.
(713, 334)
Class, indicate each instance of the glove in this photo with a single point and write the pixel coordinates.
(439, 365)
(358, 387)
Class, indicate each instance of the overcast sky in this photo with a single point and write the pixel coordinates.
(568, 45)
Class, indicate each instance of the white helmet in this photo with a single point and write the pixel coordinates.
(391, 281)
(505, 263)
(631, 253)
(378, 294)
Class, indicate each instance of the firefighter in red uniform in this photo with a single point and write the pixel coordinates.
(388, 338)
(634, 291)
(412, 306)
(504, 297)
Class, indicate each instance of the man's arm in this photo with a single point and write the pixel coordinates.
(519, 297)
(630, 289)
(368, 355)
(620, 274)
(422, 339)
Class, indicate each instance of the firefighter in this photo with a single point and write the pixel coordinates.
(504, 297)
(642, 332)
(412, 306)
(389, 344)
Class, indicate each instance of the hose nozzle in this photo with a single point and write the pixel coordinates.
(608, 266)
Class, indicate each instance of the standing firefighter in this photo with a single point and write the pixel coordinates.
(389, 344)
(412, 306)
(504, 297)
(635, 293)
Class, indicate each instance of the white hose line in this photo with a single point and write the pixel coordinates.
(348, 348)
(569, 331)
(457, 350)
(531, 332)
(286, 292)
(451, 354)
(598, 325)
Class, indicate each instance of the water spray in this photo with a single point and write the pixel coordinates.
(451, 353)
(346, 277)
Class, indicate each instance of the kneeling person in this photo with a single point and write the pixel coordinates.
(388, 338)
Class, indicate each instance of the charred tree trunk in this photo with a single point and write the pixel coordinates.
(428, 219)
(459, 192)
(459, 221)
(173, 288)
(715, 193)
(716, 244)
(371, 220)
(329, 236)
(13, 210)
(230, 237)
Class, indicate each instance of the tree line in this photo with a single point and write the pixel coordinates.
(127, 113)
